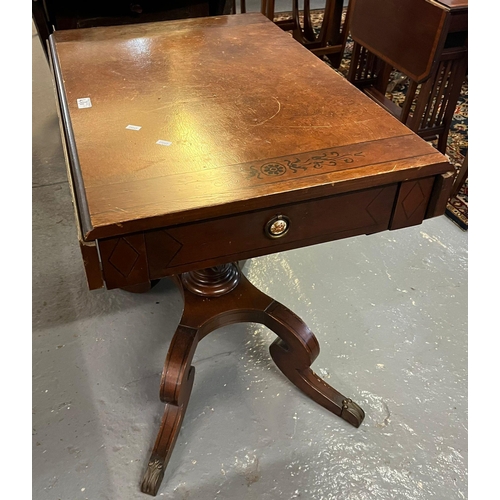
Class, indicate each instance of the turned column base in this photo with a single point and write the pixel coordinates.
(221, 296)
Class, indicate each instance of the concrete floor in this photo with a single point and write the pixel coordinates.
(389, 310)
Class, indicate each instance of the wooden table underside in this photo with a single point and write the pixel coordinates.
(264, 156)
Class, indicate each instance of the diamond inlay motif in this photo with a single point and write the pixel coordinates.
(171, 247)
(373, 208)
(123, 257)
(413, 200)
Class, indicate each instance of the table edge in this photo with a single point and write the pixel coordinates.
(80, 196)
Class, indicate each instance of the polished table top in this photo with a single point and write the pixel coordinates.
(234, 115)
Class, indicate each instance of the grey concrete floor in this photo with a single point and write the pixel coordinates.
(389, 310)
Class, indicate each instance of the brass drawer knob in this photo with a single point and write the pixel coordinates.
(277, 227)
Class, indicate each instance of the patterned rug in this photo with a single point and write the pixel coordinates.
(457, 209)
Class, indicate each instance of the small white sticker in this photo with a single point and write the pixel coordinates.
(84, 102)
(133, 127)
(163, 143)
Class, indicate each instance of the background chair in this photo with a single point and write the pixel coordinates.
(331, 38)
(427, 41)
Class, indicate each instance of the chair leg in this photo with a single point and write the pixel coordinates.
(462, 176)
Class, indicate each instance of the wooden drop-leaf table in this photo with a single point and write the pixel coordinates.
(192, 145)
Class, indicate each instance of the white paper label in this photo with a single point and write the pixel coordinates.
(163, 143)
(84, 102)
(133, 127)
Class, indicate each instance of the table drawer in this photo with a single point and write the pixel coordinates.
(155, 254)
(140, 257)
(248, 235)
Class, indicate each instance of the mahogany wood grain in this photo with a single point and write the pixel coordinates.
(440, 195)
(251, 140)
(412, 202)
(124, 261)
(199, 245)
(202, 244)
(91, 264)
(294, 351)
(175, 389)
(221, 90)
